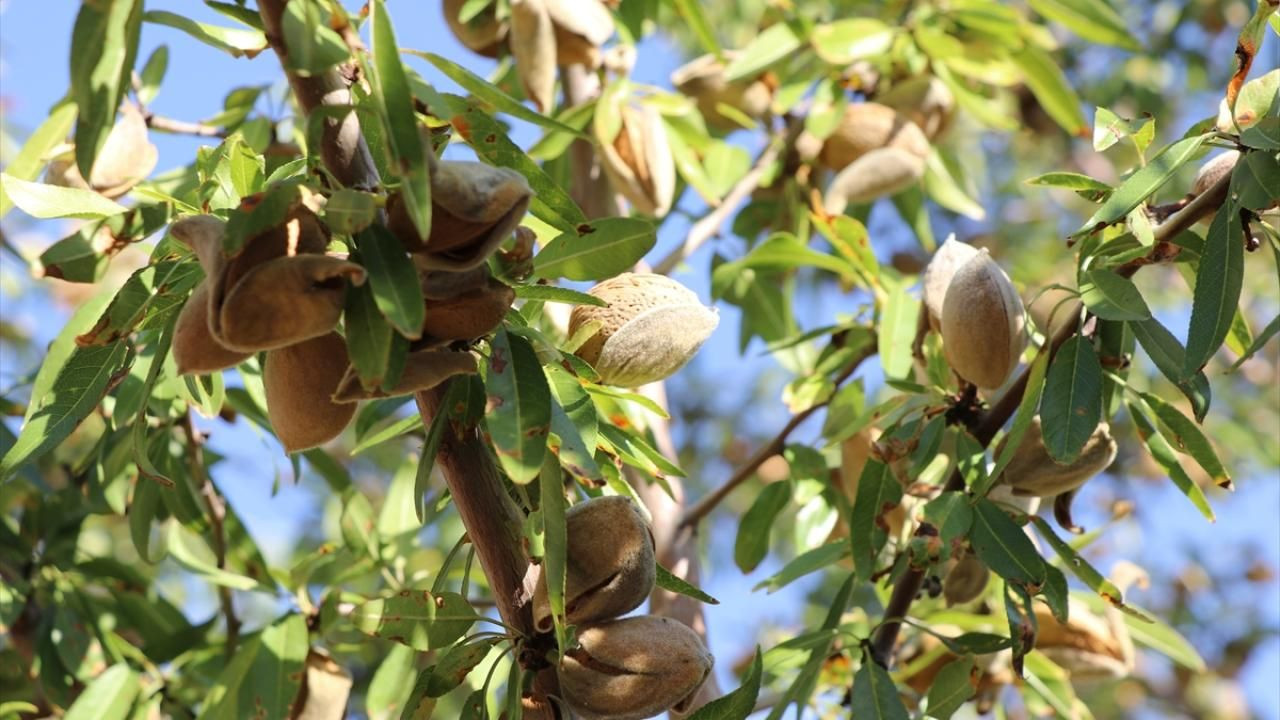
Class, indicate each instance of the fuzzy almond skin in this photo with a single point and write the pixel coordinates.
(925, 100)
(483, 35)
(1032, 473)
(195, 350)
(638, 160)
(938, 273)
(1213, 170)
(880, 172)
(423, 370)
(609, 568)
(299, 379)
(703, 79)
(285, 301)
(633, 668)
(533, 43)
(966, 580)
(470, 315)
(983, 332)
(869, 126)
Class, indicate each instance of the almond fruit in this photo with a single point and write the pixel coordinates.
(983, 325)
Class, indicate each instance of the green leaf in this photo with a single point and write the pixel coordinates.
(275, 677)
(945, 182)
(492, 94)
(1070, 181)
(1259, 342)
(803, 564)
(952, 515)
(1187, 437)
(79, 387)
(350, 211)
(1142, 183)
(149, 295)
(31, 158)
(696, 20)
(754, 529)
(1002, 545)
(1079, 566)
(1092, 20)
(1218, 284)
(874, 695)
(776, 43)
(518, 412)
(391, 88)
(455, 396)
(553, 293)
(104, 43)
(152, 74)
(417, 618)
(596, 250)
(192, 552)
(781, 251)
(237, 42)
(739, 703)
(555, 544)
(1050, 86)
(1162, 638)
(1112, 297)
(392, 683)
(846, 40)
(51, 201)
(1021, 422)
(670, 582)
(1072, 404)
(951, 688)
(896, 332)
(396, 288)
(1164, 454)
(1169, 357)
(313, 46)
(109, 697)
(368, 334)
(878, 492)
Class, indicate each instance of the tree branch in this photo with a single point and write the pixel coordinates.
(217, 520)
(909, 584)
(182, 127)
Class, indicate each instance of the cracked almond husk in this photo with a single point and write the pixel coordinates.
(469, 315)
(881, 172)
(326, 687)
(633, 668)
(124, 160)
(938, 273)
(924, 100)
(609, 563)
(638, 159)
(965, 580)
(299, 380)
(651, 328)
(482, 34)
(474, 207)
(582, 27)
(1088, 646)
(1032, 472)
(703, 79)
(983, 324)
(423, 370)
(868, 126)
(195, 349)
(533, 44)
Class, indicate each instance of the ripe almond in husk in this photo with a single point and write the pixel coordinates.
(923, 99)
(633, 668)
(1033, 473)
(325, 690)
(609, 563)
(124, 160)
(1213, 171)
(533, 44)
(965, 580)
(982, 323)
(582, 27)
(298, 380)
(652, 326)
(469, 315)
(423, 370)
(483, 34)
(1087, 646)
(703, 79)
(870, 126)
(883, 171)
(938, 273)
(638, 159)
(474, 207)
(195, 349)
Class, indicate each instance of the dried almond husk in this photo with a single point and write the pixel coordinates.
(703, 79)
(983, 328)
(883, 171)
(299, 380)
(124, 160)
(195, 349)
(423, 370)
(938, 273)
(483, 34)
(326, 687)
(582, 27)
(445, 284)
(1088, 646)
(868, 126)
(609, 563)
(469, 315)
(651, 327)
(285, 301)
(633, 668)
(1033, 473)
(923, 99)
(533, 43)
(474, 207)
(638, 159)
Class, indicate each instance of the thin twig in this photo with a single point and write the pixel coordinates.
(217, 523)
(909, 584)
(695, 514)
(182, 127)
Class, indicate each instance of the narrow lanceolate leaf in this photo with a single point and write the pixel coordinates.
(1168, 459)
(1218, 284)
(739, 703)
(1002, 545)
(31, 158)
(878, 493)
(313, 46)
(193, 553)
(555, 543)
(1072, 404)
(109, 697)
(491, 94)
(1021, 421)
(553, 293)
(1187, 437)
(51, 201)
(951, 688)
(1162, 638)
(1169, 357)
(774, 44)
(1049, 84)
(849, 39)
(368, 334)
(672, 583)
(1092, 20)
(79, 387)
(754, 529)
(394, 94)
(236, 42)
(276, 674)
(396, 288)
(1112, 297)
(804, 563)
(1259, 342)
(1080, 567)
(897, 328)
(417, 618)
(1138, 186)
(596, 250)
(518, 406)
(875, 696)
(104, 43)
